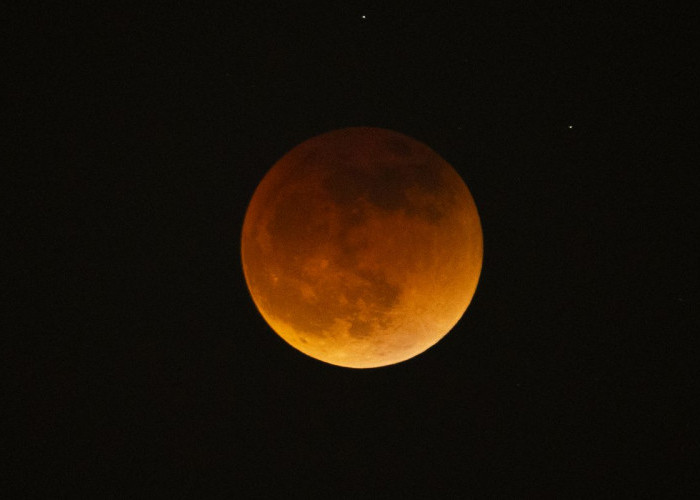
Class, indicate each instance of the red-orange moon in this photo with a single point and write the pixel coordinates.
(362, 247)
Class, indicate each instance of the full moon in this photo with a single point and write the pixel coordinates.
(362, 247)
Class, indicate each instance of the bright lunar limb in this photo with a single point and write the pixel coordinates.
(362, 247)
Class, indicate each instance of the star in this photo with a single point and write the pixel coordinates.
(364, 17)
(571, 126)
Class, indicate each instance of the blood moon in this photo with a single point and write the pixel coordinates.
(362, 247)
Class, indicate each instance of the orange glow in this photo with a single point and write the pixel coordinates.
(362, 247)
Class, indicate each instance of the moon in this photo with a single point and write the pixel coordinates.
(362, 247)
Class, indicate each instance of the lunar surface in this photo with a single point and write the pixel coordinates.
(362, 247)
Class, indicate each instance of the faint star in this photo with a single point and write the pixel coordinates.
(571, 126)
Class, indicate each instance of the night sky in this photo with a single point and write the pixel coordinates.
(136, 360)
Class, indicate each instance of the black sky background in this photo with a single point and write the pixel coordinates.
(136, 358)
